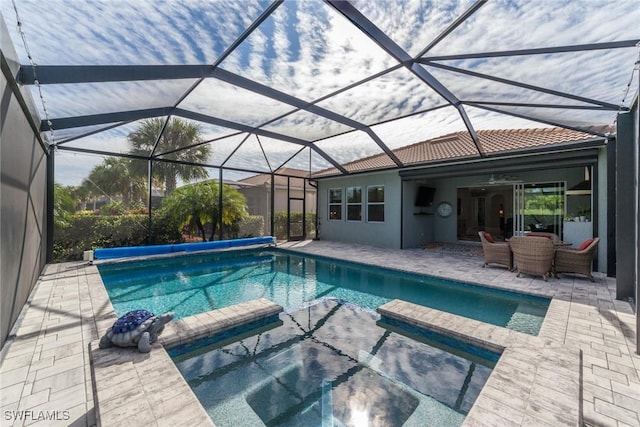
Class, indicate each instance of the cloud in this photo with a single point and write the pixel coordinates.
(309, 50)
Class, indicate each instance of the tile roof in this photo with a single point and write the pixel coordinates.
(459, 145)
(265, 178)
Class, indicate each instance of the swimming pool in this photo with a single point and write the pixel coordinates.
(194, 284)
(333, 363)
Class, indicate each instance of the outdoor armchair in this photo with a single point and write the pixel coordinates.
(533, 255)
(577, 261)
(495, 252)
(554, 237)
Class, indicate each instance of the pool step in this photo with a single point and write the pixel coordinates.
(535, 382)
(189, 329)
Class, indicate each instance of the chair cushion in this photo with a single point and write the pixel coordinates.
(489, 238)
(585, 244)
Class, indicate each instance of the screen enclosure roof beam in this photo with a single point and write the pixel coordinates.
(532, 51)
(523, 85)
(545, 121)
(89, 73)
(393, 49)
(262, 132)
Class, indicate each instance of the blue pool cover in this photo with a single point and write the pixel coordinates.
(133, 251)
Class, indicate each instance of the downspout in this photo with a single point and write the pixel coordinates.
(149, 182)
(317, 219)
(220, 233)
(272, 202)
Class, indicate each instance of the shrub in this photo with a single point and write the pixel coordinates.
(251, 226)
(88, 232)
(280, 224)
(112, 208)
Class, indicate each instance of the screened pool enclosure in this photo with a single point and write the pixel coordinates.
(299, 89)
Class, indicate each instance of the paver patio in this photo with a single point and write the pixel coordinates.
(45, 368)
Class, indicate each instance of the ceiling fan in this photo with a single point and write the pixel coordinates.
(503, 179)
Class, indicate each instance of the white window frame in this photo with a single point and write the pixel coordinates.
(375, 203)
(346, 195)
(335, 204)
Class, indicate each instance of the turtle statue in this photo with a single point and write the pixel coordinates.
(137, 328)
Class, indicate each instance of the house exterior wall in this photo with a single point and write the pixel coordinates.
(382, 234)
(420, 225)
(23, 195)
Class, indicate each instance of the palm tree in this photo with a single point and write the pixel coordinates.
(81, 194)
(115, 177)
(178, 135)
(198, 204)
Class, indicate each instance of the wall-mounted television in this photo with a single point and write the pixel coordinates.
(425, 196)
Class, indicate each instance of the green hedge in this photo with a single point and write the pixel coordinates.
(88, 232)
(251, 226)
(280, 224)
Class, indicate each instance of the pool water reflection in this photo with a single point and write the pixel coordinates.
(332, 361)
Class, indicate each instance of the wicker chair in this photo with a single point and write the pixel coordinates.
(576, 261)
(533, 255)
(496, 253)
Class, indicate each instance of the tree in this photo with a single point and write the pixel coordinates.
(115, 176)
(82, 194)
(63, 206)
(198, 204)
(178, 135)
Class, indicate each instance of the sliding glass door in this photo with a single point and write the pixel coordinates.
(539, 207)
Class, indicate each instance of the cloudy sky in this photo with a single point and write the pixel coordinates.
(308, 50)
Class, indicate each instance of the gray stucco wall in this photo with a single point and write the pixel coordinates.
(417, 228)
(23, 166)
(382, 234)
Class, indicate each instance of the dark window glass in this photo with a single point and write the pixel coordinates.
(376, 213)
(376, 194)
(335, 212)
(354, 195)
(354, 213)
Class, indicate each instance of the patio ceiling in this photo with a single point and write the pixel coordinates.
(313, 84)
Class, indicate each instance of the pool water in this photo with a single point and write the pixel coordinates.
(332, 363)
(194, 284)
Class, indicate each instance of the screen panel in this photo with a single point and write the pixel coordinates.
(387, 97)
(117, 140)
(229, 102)
(124, 33)
(307, 126)
(523, 24)
(413, 24)
(307, 49)
(601, 75)
(417, 128)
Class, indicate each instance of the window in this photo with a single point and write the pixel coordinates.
(375, 203)
(335, 204)
(354, 203)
